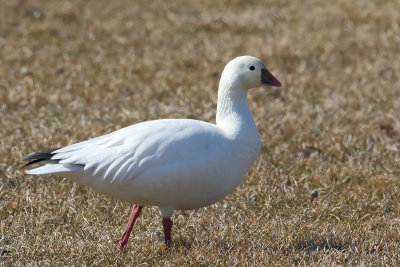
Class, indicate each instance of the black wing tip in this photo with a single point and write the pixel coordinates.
(45, 153)
(32, 162)
(38, 156)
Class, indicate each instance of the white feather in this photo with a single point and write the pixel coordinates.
(172, 163)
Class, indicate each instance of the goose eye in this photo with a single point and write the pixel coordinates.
(252, 68)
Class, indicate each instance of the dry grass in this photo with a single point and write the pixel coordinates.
(71, 70)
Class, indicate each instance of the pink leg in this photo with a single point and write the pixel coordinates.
(167, 225)
(134, 215)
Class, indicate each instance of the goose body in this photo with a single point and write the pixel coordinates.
(170, 163)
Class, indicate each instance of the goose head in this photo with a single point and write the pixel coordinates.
(248, 72)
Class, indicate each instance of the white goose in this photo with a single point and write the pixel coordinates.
(173, 163)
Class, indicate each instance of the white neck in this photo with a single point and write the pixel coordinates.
(233, 114)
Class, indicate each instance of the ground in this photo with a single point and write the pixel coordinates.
(72, 70)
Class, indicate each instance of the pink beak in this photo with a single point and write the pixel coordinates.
(269, 79)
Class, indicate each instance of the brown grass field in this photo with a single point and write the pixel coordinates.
(72, 70)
